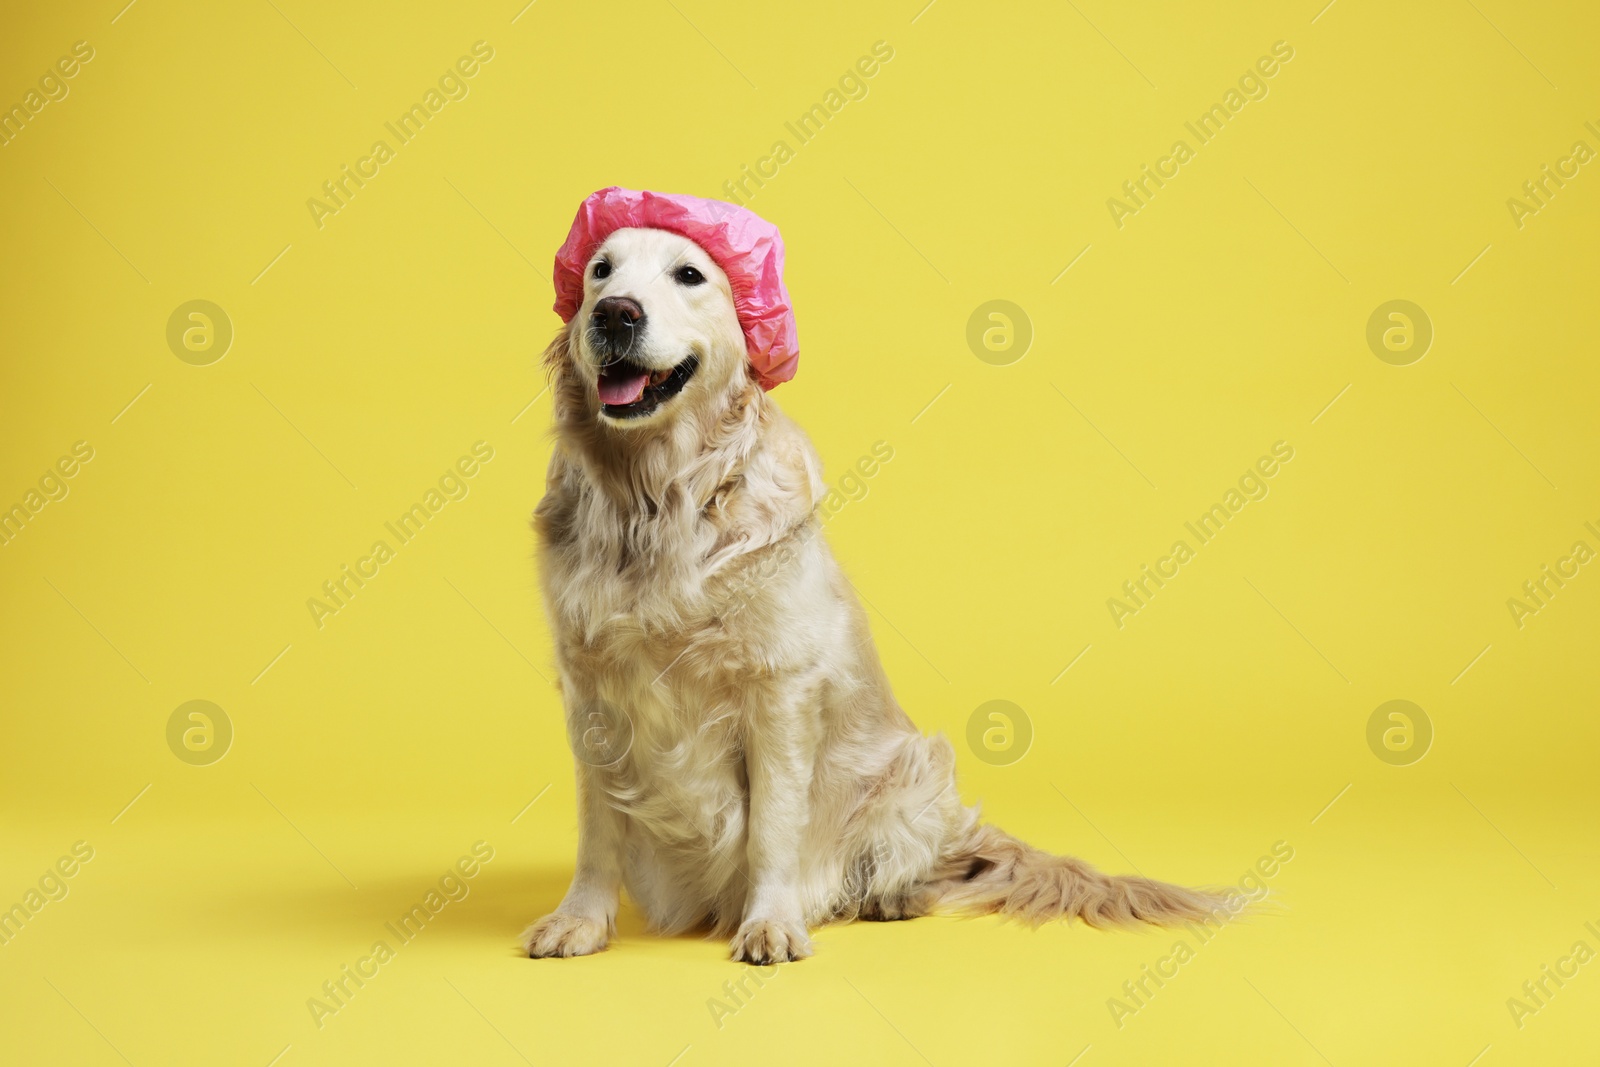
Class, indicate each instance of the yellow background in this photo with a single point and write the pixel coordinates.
(1223, 317)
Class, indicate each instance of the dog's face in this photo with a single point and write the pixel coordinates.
(657, 333)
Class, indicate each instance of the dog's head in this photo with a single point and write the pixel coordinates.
(656, 336)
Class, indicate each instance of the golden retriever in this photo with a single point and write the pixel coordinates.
(742, 765)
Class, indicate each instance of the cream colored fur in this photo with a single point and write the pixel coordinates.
(771, 783)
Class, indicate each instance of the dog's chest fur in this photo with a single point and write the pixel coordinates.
(679, 611)
(635, 572)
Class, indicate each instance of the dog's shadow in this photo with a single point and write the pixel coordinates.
(511, 902)
(497, 906)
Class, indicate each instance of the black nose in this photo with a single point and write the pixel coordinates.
(619, 320)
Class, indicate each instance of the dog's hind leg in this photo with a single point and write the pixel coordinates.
(900, 832)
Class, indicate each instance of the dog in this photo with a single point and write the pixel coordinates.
(743, 767)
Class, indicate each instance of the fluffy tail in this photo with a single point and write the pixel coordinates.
(993, 872)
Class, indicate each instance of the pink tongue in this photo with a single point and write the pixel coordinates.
(621, 390)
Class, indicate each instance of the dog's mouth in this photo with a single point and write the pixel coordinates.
(628, 390)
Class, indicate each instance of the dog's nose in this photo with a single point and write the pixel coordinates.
(619, 319)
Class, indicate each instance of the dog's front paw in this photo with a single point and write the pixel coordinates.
(564, 935)
(761, 942)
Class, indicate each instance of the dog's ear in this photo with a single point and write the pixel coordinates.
(567, 390)
(558, 351)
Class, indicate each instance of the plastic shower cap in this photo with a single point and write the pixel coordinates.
(747, 248)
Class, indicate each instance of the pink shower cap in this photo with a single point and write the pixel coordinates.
(747, 248)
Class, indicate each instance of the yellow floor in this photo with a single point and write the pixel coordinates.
(1359, 319)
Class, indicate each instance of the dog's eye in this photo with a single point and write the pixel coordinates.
(688, 276)
(602, 269)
